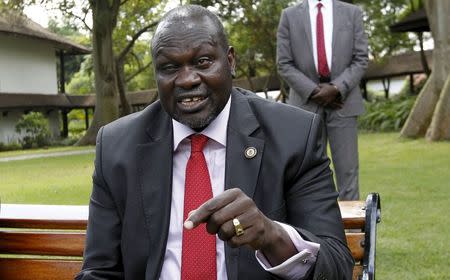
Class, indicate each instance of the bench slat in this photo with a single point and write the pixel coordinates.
(75, 217)
(357, 272)
(43, 224)
(71, 244)
(42, 243)
(27, 269)
(355, 241)
(353, 214)
(44, 216)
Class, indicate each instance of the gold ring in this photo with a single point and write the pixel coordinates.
(238, 227)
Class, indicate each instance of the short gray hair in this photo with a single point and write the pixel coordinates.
(194, 13)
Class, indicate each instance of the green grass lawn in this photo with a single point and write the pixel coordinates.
(412, 177)
(55, 180)
(42, 151)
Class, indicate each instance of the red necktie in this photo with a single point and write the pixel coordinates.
(199, 247)
(322, 64)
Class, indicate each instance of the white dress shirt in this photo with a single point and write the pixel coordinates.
(327, 15)
(215, 152)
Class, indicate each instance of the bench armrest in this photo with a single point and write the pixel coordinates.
(373, 216)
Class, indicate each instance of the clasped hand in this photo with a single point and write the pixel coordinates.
(327, 95)
(260, 233)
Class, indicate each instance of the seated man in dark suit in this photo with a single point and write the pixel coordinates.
(211, 181)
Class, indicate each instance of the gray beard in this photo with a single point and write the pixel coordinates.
(197, 124)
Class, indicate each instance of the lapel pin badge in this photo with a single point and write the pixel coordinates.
(250, 152)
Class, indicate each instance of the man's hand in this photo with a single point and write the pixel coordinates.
(260, 233)
(337, 104)
(327, 95)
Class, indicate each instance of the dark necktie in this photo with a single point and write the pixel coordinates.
(322, 64)
(199, 247)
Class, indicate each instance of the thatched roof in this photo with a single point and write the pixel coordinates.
(398, 65)
(29, 101)
(258, 84)
(393, 66)
(415, 22)
(21, 26)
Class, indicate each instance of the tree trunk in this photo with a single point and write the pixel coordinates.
(423, 58)
(431, 112)
(420, 117)
(125, 108)
(438, 12)
(440, 124)
(104, 17)
(120, 69)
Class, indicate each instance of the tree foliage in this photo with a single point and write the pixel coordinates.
(15, 5)
(82, 82)
(378, 16)
(72, 63)
(252, 25)
(134, 19)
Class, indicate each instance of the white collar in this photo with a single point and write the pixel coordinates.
(216, 130)
(325, 3)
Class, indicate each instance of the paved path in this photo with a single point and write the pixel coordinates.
(45, 155)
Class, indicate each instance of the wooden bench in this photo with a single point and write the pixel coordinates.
(45, 242)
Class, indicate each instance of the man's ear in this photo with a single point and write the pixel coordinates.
(232, 60)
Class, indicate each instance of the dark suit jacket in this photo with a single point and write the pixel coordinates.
(289, 180)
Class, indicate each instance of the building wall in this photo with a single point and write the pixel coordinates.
(27, 66)
(8, 122)
(54, 123)
(7, 126)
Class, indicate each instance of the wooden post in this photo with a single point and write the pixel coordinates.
(386, 85)
(423, 58)
(364, 90)
(65, 130)
(62, 80)
(411, 84)
(86, 117)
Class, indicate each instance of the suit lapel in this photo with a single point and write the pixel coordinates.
(305, 21)
(155, 180)
(241, 171)
(337, 14)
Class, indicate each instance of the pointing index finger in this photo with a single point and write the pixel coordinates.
(209, 207)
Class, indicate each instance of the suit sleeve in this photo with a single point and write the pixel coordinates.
(353, 74)
(313, 209)
(287, 69)
(102, 257)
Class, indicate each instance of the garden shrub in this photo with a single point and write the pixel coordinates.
(386, 114)
(34, 127)
(10, 146)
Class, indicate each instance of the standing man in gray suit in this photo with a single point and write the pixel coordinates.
(322, 55)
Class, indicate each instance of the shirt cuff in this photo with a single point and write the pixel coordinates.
(297, 266)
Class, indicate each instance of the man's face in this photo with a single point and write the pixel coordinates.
(193, 72)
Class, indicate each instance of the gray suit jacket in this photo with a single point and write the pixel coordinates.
(289, 179)
(349, 61)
